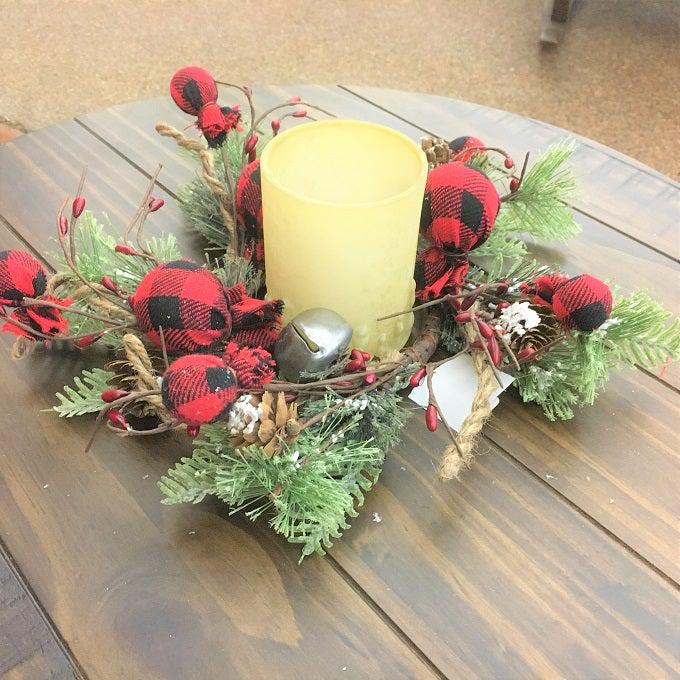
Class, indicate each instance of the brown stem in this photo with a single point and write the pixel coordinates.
(480, 337)
(286, 104)
(507, 197)
(502, 152)
(35, 302)
(164, 427)
(164, 348)
(43, 336)
(133, 396)
(508, 349)
(231, 190)
(71, 264)
(143, 212)
(435, 403)
(74, 219)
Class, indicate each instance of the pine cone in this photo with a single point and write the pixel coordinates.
(541, 335)
(436, 150)
(278, 424)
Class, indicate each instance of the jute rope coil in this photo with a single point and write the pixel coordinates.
(211, 179)
(139, 360)
(455, 458)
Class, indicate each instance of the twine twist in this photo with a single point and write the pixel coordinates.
(211, 179)
(455, 458)
(140, 362)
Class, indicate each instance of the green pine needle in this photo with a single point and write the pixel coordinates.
(539, 210)
(85, 397)
(640, 331)
(310, 489)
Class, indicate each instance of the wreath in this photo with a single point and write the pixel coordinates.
(196, 348)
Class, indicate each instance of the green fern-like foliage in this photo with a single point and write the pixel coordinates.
(202, 211)
(309, 491)
(199, 205)
(311, 488)
(96, 256)
(642, 332)
(566, 376)
(538, 210)
(85, 397)
(238, 270)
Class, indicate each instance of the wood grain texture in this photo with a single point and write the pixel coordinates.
(142, 591)
(138, 590)
(497, 576)
(28, 647)
(625, 194)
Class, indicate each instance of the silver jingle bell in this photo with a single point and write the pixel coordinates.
(311, 342)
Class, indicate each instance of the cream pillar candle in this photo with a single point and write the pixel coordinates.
(341, 204)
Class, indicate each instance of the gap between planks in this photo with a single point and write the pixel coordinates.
(579, 510)
(581, 211)
(15, 570)
(386, 618)
(650, 565)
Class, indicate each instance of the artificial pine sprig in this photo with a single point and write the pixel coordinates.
(85, 397)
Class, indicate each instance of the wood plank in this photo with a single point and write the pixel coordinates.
(38, 170)
(140, 590)
(613, 256)
(495, 577)
(618, 461)
(29, 646)
(629, 196)
(130, 127)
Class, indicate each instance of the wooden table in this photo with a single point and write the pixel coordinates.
(555, 556)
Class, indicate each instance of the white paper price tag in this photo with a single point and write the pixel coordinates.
(455, 384)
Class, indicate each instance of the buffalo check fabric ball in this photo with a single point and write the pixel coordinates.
(464, 148)
(253, 366)
(582, 302)
(459, 209)
(198, 389)
(193, 89)
(21, 275)
(249, 212)
(187, 301)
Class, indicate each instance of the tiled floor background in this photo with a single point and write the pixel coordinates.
(615, 78)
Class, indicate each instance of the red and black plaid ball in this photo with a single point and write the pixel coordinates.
(464, 148)
(542, 289)
(187, 301)
(253, 366)
(436, 274)
(193, 89)
(459, 209)
(21, 275)
(44, 320)
(255, 322)
(249, 212)
(583, 302)
(198, 389)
